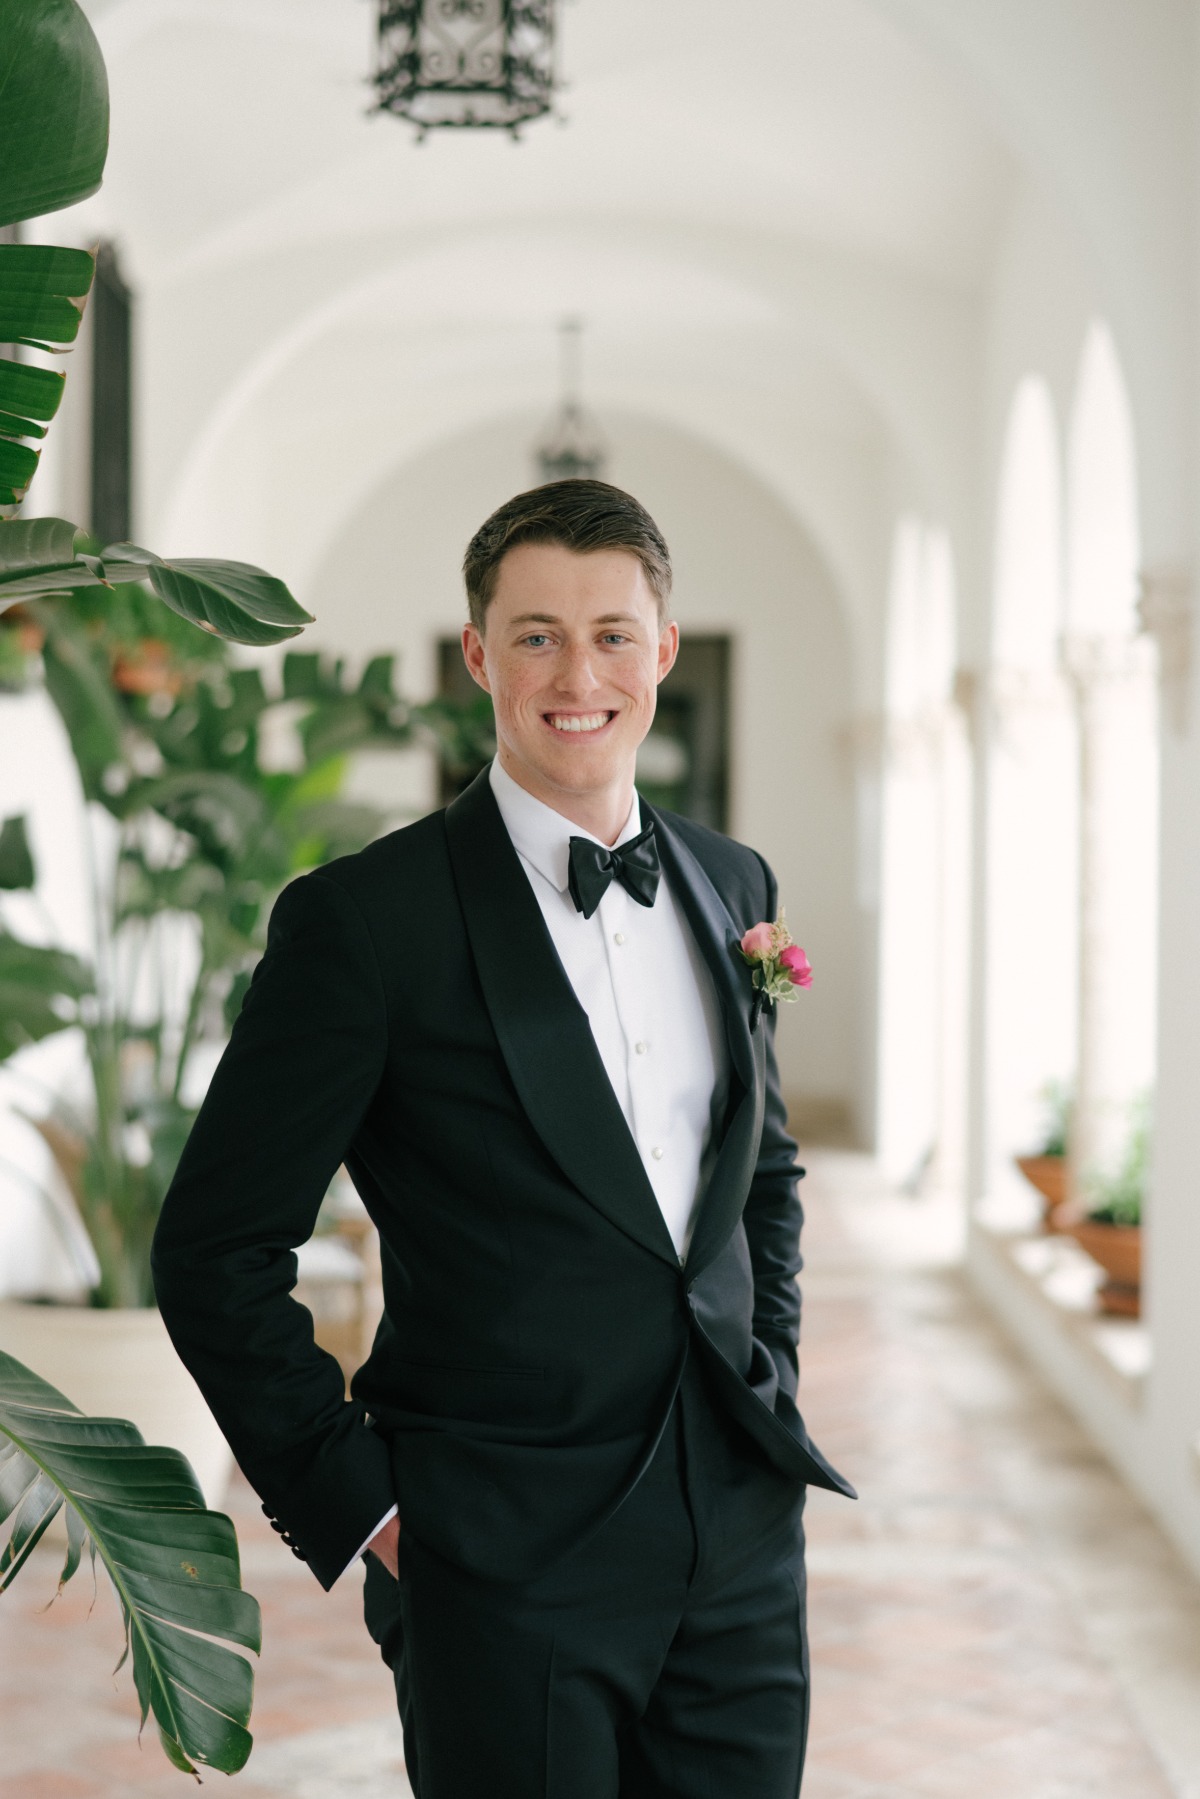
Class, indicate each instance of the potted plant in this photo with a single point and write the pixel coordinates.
(208, 827)
(174, 1565)
(55, 141)
(1047, 1167)
(1111, 1230)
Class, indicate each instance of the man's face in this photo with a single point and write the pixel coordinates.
(572, 654)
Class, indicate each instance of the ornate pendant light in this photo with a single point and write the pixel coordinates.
(572, 446)
(473, 64)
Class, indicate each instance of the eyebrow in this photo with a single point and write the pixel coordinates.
(550, 618)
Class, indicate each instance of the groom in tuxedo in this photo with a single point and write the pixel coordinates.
(573, 1459)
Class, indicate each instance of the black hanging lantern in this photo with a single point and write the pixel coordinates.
(475, 64)
(572, 447)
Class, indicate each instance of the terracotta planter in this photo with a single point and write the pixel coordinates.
(1049, 1175)
(1118, 1250)
(146, 668)
(121, 1364)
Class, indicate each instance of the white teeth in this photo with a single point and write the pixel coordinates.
(589, 721)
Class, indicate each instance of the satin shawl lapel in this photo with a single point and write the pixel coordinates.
(543, 1031)
(718, 938)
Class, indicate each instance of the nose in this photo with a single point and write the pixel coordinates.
(575, 675)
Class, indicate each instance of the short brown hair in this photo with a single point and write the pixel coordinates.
(582, 515)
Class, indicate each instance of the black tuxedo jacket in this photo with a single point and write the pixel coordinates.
(411, 1018)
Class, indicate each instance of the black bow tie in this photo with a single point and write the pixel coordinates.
(635, 864)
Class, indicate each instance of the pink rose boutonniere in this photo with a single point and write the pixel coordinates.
(778, 965)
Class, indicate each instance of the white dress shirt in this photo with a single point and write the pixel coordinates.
(649, 998)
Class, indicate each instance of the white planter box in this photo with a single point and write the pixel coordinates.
(121, 1364)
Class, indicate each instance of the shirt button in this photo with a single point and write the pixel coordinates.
(639, 1049)
(657, 1153)
(618, 937)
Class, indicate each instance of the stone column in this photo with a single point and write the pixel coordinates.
(1028, 913)
(1112, 681)
(1166, 609)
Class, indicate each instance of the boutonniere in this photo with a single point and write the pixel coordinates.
(778, 966)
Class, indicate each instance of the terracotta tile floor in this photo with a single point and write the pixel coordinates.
(996, 1618)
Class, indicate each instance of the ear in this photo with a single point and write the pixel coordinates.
(668, 649)
(472, 649)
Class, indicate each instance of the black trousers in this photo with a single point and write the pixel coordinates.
(666, 1656)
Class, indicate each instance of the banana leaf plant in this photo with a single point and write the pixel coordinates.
(53, 147)
(174, 1566)
(173, 741)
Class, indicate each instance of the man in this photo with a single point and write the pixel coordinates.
(525, 1026)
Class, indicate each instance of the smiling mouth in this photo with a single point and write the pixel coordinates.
(576, 722)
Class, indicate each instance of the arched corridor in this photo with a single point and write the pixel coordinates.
(888, 315)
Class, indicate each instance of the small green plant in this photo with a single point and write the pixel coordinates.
(1119, 1197)
(1056, 1098)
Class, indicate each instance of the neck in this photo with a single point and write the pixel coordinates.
(603, 811)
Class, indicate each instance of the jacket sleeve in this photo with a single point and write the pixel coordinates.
(773, 1216)
(303, 1064)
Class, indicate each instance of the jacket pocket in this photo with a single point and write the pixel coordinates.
(470, 1393)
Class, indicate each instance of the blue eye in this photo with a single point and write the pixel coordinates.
(537, 637)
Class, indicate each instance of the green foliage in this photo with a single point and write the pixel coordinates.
(42, 295)
(16, 859)
(54, 120)
(168, 737)
(40, 989)
(232, 600)
(1119, 1197)
(54, 125)
(43, 290)
(1057, 1100)
(174, 1565)
(53, 108)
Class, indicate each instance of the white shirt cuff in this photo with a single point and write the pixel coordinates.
(386, 1519)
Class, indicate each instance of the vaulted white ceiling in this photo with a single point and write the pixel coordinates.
(805, 201)
(242, 125)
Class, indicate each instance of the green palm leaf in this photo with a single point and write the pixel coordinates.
(16, 857)
(43, 291)
(54, 127)
(53, 108)
(40, 987)
(174, 1565)
(234, 600)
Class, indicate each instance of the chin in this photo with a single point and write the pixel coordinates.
(580, 776)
